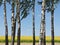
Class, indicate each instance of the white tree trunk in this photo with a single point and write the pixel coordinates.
(19, 24)
(42, 30)
(13, 21)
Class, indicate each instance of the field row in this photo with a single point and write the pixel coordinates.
(30, 39)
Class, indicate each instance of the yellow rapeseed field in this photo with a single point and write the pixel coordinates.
(30, 38)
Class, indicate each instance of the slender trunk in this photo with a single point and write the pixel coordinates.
(6, 26)
(42, 30)
(19, 24)
(15, 19)
(33, 22)
(52, 22)
(13, 22)
(44, 37)
(15, 26)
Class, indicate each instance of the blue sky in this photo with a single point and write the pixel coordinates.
(26, 24)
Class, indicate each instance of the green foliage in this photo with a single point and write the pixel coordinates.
(1, 2)
(49, 4)
(25, 8)
(9, 1)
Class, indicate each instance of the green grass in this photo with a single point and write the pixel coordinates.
(30, 41)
